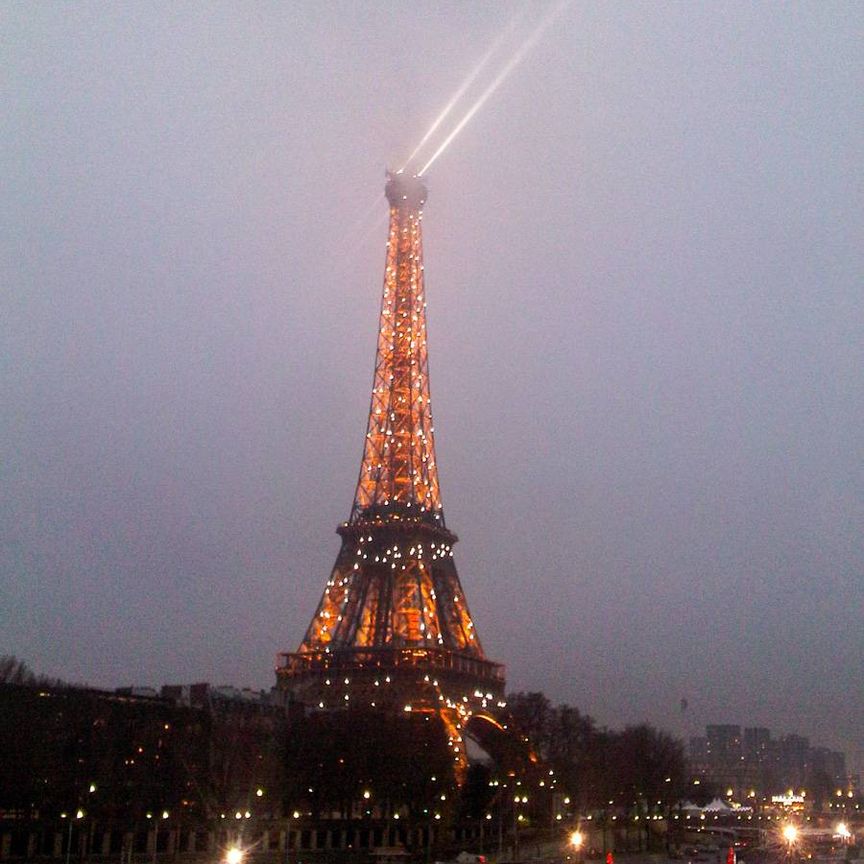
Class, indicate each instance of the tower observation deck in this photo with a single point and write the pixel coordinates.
(393, 627)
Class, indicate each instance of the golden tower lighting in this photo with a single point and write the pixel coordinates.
(393, 628)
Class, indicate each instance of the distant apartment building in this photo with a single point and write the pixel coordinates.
(828, 762)
(720, 757)
(724, 742)
(752, 764)
(756, 743)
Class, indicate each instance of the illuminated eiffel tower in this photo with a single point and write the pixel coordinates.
(393, 627)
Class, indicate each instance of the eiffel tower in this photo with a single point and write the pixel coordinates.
(393, 629)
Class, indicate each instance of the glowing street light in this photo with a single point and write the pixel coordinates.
(79, 814)
(234, 856)
(577, 840)
(842, 831)
(790, 833)
(165, 815)
(790, 836)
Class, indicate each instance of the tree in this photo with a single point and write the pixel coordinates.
(535, 718)
(650, 765)
(334, 758)
(637, 766)
(15, 671)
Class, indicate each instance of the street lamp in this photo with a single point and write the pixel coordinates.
(577, 838)
(790, 836)
(165, 815)
(517, 818)
(234, 855)
(79, 814)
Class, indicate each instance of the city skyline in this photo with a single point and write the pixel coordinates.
(644, 273)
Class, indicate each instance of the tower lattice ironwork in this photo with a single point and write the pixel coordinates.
(393, 626)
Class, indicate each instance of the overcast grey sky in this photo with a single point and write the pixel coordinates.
(644, 264)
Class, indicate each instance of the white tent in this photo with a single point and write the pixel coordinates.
(718, 805)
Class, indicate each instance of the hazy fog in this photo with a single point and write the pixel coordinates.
(644, 265)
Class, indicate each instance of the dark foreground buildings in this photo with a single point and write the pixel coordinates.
(88, 772)
(135, 776)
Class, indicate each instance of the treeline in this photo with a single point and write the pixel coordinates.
(124, 757)
(350, 763)
(553, 756)
(15, 671)
(637, 767)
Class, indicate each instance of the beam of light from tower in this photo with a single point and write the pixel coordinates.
(514, 61)
(458, 95)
